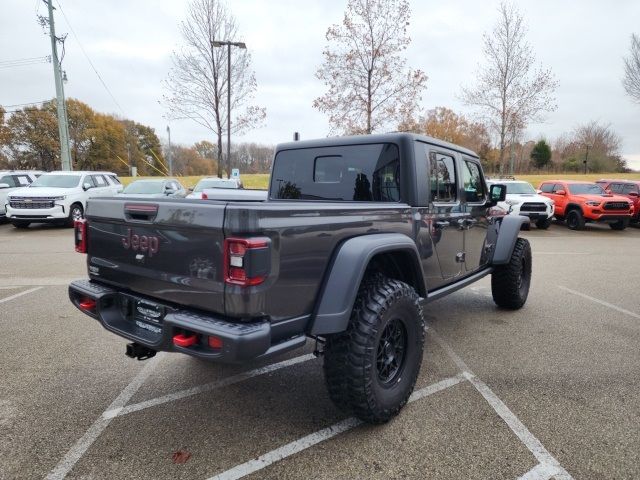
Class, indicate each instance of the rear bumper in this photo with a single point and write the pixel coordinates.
(241, 342)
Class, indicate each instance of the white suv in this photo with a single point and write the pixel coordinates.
(59, 197)
(10, 181)
(522, 199)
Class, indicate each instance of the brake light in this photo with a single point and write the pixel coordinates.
(87, 304)
(80, 235)
(184, 340)
(204, 196)
(246, 261)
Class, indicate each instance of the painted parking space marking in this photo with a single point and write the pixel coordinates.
(76, 452)
(224, 382)
(517, 427)
(543, 471)
(601, 302)
(18, 295)
(312, 439)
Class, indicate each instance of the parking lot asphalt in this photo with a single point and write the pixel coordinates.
(549, 391)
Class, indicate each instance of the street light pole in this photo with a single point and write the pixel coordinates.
(220, 43)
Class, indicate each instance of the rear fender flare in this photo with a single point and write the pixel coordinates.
(346, 271)
(510, 226)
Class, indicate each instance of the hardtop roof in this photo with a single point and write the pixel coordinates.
(396, 137)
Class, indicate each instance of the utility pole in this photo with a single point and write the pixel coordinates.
(63, 126)
(170, 157)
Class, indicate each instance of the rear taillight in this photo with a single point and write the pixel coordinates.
(247, 261)
(80, 235)
(204, 196)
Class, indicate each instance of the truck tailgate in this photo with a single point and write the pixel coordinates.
(170, 250)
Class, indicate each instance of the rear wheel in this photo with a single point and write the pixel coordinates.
(619, 225)
(543, 223)
(510, 283)
(575, 220)
(371, 369)
(20, 223)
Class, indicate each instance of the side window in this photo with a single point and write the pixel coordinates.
(616, 187)
(100, 181)
(558, 186)
(115, 180)
(89, 179)
(473, 183)
(442, 178)
(546, 187)
(630, 188)
(9, 180)
(22, 180)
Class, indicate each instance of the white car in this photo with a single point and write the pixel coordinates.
(59, 197)
(12, 180)
(522, 199)
(215, 182)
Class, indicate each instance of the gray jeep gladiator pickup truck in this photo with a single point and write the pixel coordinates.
(356, 236)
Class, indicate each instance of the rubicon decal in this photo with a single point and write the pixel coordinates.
(146, 244)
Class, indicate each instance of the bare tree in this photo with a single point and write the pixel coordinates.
(369, 86)
(198, 81)
(631, 80)
(509, 91)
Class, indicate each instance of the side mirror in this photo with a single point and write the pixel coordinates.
(631, 194)
(497, 193)
(4, 185)
(608, 191)
(560, 192)
(86, 186)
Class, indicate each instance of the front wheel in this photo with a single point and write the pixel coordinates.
(510, 283)
(619, 225)
(371, 369)
(76, 212)
(20, 223)
(575, 220)
(543, 223)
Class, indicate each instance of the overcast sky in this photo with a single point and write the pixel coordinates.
(130, 44)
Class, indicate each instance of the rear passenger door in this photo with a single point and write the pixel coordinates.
(475, 222)
(447, 214)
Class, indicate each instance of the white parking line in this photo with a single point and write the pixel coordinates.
(601, 302)
(224, 382)
(561, 253)
(543, 471)
(17, 295)
(516, 426)
(312, 439)
(78, 450)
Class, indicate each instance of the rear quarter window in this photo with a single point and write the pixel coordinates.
(349, 173)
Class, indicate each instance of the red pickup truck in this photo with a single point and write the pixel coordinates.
(580, 202)
(626, 188)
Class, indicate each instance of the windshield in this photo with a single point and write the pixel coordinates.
(144, 187)
(214, 183)
(59, 181)
(520, 188)
(588, 188)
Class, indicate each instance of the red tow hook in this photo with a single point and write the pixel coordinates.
(184, 341)
(87, 304)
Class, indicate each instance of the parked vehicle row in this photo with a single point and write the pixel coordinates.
(522, 199)
(578, 203)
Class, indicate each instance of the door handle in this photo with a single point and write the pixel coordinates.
(442, 224)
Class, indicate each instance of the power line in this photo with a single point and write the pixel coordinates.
(88, 59)
(23, 104)
(24, 61)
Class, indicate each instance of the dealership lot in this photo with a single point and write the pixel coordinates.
(550, 391)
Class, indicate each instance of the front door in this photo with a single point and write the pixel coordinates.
(475, 222)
